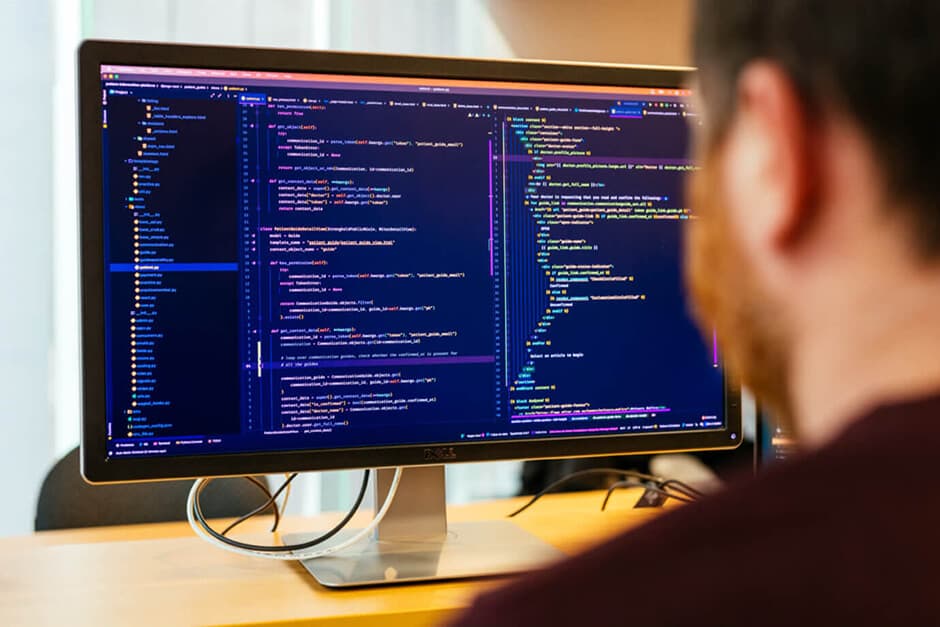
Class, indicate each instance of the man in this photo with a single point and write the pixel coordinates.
(816, 255)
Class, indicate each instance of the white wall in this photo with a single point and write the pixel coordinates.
(65, 372)
(461, 28)
(285, 23)
(615, 31)
(25, 256)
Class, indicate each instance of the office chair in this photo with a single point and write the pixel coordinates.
(66, 501)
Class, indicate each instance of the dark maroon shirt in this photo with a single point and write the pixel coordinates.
(846, 535)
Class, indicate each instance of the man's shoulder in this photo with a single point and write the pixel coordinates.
(829, 534)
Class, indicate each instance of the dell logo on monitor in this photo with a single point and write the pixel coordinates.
(440, 454)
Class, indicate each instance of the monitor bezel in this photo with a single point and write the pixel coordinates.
(98, 468)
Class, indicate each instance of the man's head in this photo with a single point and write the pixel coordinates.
(820, 153)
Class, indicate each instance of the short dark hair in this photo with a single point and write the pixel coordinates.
(877, 60)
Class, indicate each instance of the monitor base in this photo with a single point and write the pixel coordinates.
(472, 549)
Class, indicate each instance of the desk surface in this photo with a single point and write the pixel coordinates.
(161, 574)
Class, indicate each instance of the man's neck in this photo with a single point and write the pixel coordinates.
(880, 345)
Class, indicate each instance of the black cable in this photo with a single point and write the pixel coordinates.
(681, 486)
(667, 494)
(584, 473)
(271, 502)
(283, 505)
(629, 483)
(277, 510)
(200, 518)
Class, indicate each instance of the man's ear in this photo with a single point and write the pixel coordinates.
(773, 168)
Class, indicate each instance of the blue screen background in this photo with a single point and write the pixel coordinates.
(302, 266)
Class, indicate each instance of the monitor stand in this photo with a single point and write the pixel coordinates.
(414, 542)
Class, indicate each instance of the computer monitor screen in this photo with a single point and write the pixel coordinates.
(326, 262)
(776, 441)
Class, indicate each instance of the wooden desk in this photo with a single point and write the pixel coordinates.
(161, 574)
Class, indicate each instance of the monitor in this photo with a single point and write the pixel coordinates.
(776, 442)
(297, 261)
